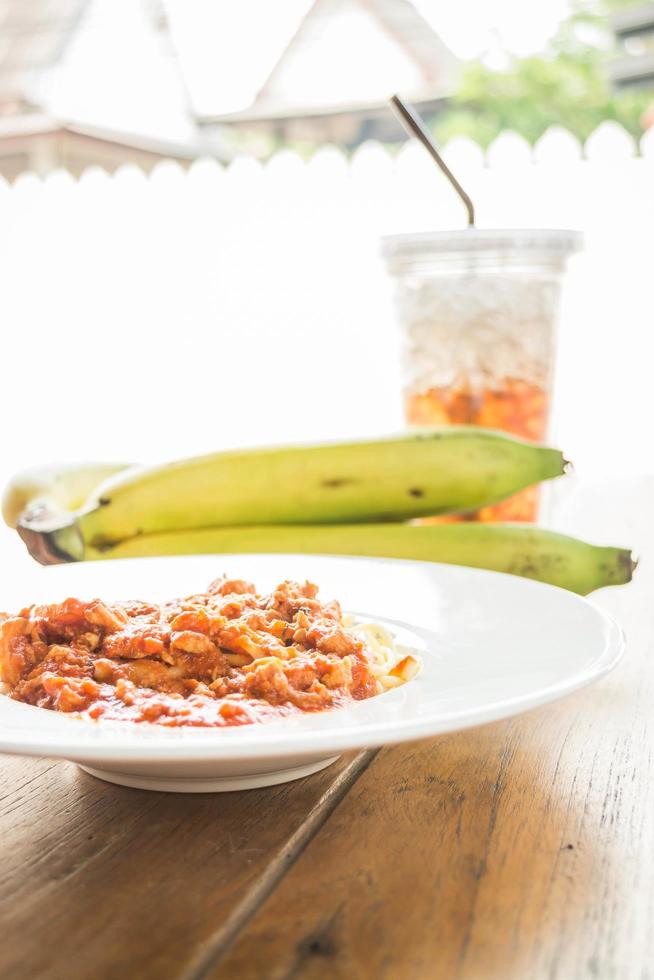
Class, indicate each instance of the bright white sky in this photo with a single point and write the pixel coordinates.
(471, 27)
(228, 47)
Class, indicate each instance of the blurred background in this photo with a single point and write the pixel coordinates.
(192, 194)
(106, 82)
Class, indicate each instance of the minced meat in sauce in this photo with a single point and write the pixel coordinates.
(225, 657)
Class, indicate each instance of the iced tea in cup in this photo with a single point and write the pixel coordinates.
(478, 312)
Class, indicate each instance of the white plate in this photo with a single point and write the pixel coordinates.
(491, 646)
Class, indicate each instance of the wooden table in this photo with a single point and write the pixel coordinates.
(523, 849)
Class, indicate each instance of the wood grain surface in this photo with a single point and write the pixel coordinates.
(98, 881)
(523, 850)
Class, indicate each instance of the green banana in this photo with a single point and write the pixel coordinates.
(57, 487)
(518, 549)
(430, 471)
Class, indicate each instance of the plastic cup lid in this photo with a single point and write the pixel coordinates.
(550, 242)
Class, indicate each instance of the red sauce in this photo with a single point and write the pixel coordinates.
(226, 657)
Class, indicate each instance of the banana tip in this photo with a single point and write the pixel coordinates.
(629, 563)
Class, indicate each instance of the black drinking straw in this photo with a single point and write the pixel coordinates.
(416, 127)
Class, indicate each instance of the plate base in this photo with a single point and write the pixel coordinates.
(224, 784)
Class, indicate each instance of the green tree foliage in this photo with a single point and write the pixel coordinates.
(566, 85)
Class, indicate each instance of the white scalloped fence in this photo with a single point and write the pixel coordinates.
(149, 317)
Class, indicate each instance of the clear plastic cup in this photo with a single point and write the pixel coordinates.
(478, 310)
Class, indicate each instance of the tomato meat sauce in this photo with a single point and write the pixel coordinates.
(228, 656)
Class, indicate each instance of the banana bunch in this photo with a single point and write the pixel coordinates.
(344, 498)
